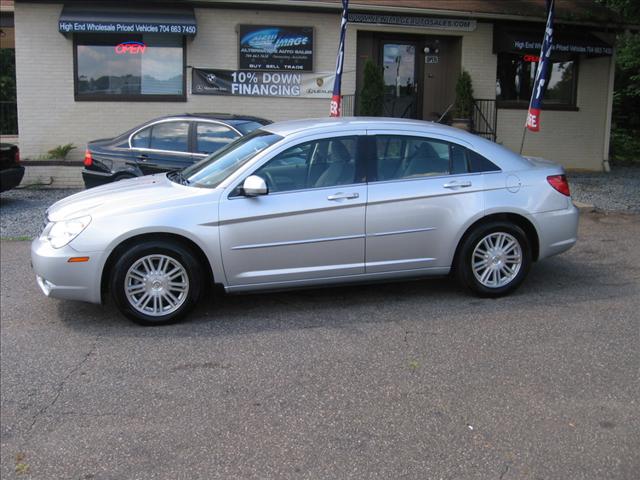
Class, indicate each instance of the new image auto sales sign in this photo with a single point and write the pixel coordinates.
(276, 48)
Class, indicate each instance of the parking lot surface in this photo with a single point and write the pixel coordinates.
(409, 380)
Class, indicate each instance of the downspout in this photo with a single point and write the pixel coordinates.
(606, 167)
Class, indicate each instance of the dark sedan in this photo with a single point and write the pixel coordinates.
(161, 145)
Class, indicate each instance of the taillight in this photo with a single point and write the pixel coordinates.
(88, 160)
(559, 182)
(16, 157)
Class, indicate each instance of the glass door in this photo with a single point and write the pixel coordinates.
(400, 87)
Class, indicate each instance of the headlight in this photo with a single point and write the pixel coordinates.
(63, 232)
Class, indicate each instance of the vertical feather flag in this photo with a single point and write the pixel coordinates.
(336, 98)
(542, 75)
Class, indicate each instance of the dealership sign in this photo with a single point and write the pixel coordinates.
(276, 48)
(437, 23)
(261, 84)
(65, 26)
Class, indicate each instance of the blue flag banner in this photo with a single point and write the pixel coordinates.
(542, 75)
(336, 98)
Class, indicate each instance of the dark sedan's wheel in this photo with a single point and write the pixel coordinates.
(156, 282)
(494, 259)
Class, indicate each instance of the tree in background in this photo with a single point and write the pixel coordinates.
(372, 95)
(625, 130)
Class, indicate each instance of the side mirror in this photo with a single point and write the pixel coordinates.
(254, 186)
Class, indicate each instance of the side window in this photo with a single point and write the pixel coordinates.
(477, 163)
(211, 137)
(320, 163)
(410, 157)
(170, 136)
(141, 139)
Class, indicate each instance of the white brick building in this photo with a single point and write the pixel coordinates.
(427, 43)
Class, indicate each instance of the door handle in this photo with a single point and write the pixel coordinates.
(456, 184)
(343, 196)
(143, 157)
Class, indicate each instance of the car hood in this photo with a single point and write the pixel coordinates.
(153, 191)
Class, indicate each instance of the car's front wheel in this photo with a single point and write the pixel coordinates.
(156, 282)
(494, 259)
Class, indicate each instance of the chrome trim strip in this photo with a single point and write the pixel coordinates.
(398, 262)
(296, 242)
(401, 232)
(291, 271)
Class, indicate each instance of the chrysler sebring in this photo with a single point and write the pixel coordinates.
(304, 203)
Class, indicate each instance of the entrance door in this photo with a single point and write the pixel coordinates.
(400, 86)
(441, 70)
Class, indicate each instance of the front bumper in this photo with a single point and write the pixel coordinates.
(58, 278)
(557, 230)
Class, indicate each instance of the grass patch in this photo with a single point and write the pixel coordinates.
(19, 238)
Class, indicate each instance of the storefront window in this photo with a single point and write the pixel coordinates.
(136, 67)
(516, 74)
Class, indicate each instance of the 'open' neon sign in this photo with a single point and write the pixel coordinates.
(531, 58)
(131, 48)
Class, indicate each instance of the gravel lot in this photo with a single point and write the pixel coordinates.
(22, 210)
(412, 380)
(617, 191)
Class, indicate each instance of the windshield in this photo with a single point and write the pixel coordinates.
(211, 171)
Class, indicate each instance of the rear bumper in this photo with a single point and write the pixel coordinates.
(11, 177)
(557, 230)
(93, 178)
(58, 278)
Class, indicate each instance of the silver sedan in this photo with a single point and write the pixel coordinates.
(304, 203)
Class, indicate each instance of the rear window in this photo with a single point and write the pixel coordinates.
(248, 127)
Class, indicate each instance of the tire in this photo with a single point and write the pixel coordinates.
(507, 252)
(156, 282)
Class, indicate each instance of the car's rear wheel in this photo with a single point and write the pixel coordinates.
(493, 259)
(156, 282)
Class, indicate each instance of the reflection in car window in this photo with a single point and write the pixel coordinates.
(170, 136)
(401, 156)
(141, 139)
(316, 164)
(210, 171)
(247, 127)
(211, 137)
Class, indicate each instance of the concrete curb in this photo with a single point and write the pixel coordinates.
(584, 207)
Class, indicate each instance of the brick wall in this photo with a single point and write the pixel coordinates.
(573, 139)
(52, 176)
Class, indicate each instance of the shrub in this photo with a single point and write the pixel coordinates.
(464, 96)
(61, 151)
(372, 94)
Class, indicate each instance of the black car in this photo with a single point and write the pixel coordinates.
(164, 144)
(11, 172)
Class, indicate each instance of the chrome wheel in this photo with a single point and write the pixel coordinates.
(156, 285)
(496, 260)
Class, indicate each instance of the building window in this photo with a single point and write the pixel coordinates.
(135, 67)
(516, 74)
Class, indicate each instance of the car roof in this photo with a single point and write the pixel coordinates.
(230, 118)
(359, 123)
(491, 150)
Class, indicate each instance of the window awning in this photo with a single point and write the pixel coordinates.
(127, 20)
(514, 40)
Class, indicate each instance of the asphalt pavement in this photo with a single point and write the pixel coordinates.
(414, 380)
